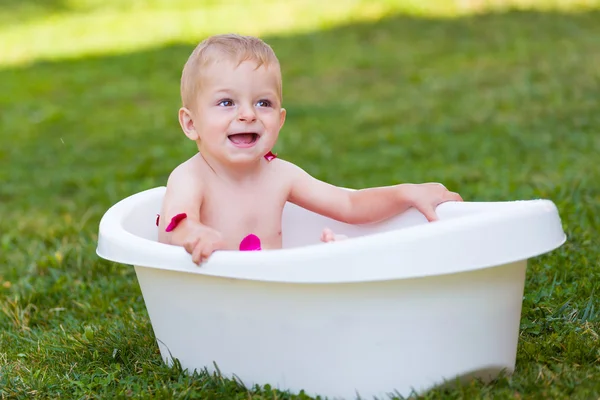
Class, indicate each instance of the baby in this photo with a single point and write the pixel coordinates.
(235, 187)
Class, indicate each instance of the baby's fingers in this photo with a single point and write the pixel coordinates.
(207, 250)
(429, 213)
(190, 244)
(452, 196)
(326, 235)
(202, 252)
(197, 253)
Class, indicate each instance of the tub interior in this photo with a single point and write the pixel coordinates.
(300, 227)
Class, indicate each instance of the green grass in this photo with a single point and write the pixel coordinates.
(498, 106)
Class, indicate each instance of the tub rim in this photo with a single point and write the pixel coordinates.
(524, 229)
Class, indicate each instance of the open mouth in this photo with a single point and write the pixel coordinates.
(245, 139)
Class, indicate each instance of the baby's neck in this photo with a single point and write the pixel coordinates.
(238, 173)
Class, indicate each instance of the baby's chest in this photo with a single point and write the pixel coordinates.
(243, 211)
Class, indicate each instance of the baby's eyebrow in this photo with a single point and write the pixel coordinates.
(222, 91)
(229, 92)
(268, 93)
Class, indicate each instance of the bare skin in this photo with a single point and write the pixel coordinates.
(229, 190)
(234, 210)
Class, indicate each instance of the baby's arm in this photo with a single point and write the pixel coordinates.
(366, 205)
(184, 195)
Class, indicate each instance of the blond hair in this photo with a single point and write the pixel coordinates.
(234, 47)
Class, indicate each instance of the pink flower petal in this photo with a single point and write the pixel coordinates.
(250, 243)
(270, 156)
(175, 221)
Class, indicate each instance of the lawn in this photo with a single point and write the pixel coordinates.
(496, 104)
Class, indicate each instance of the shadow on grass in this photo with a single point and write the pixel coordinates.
(11, 6)
(503, 105)
(20, 11)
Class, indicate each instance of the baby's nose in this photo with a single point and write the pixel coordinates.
(246, 114)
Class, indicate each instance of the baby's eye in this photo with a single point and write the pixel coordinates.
(225, 103)
(263, 103)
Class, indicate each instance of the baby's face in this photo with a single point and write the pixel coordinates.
(238, 113)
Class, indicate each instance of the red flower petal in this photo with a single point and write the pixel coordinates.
(175, 221)
(250, 243)
(157, 219)
(270, 156)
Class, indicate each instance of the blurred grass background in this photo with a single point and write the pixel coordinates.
(496, 99)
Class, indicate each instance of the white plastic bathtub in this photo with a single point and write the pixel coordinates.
(402, 306)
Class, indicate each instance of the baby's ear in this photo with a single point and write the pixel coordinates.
(187, 124)
(282, 116)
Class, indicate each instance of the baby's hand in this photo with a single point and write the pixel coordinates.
(426, 197)
(202, 242)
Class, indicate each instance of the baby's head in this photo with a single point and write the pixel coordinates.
(225, 47)
(231, 95)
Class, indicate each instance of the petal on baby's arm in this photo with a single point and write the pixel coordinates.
(183, 196)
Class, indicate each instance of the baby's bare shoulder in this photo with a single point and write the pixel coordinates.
(284, 175)
(189, 172)
(284, 169)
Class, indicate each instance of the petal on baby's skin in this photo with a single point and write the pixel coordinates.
(250, 243)
(175, 221)
(157, 219)
(270, 156)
